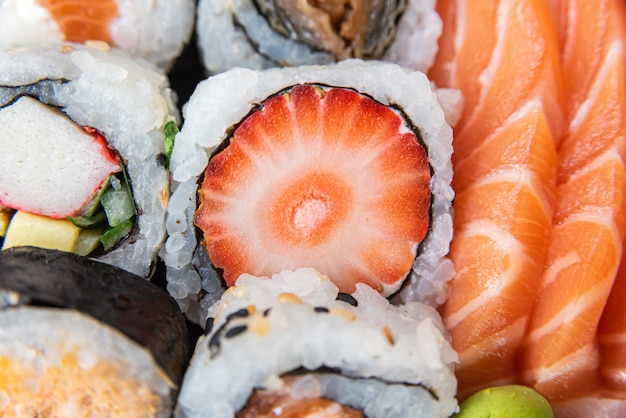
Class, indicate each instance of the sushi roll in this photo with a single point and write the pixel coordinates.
(154, 31)
(344, 168)
(295, 344)
(83, 338)
(262, 34)
(84, 163)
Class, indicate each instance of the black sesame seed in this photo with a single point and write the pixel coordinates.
(208, 325)
(234, 331)
(241, 313)
(321, 309)
(348, 298)
(267, 311)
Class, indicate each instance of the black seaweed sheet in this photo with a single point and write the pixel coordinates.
(129, 303)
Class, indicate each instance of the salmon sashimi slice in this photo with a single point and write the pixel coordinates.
(560, 357)
(82, 20)
(324, 178)
(505, 163)
(511, 59)
(502, 219)
(612, 339)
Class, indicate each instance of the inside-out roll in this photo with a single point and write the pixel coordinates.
(270, 33)
(154, 31)
(83, 166)
(293, 343)
(83, 338)
(344, 168)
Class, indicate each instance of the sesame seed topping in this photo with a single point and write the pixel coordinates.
(348, 315)
(287, 297)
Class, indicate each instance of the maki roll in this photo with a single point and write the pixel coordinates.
(83, 338)
(295, 344)
(154, 31)
(344, 168)
(262, 34)
(83, 167)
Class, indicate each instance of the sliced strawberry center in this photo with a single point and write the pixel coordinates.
(308, 210)
(329, 179)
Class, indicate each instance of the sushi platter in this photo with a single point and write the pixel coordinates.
(285, 208)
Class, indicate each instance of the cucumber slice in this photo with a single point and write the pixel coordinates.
(94, 205)
(111, 236)
(118, 206)
(87, 242)
(99, 219)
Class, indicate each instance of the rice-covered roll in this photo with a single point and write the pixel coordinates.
(83, 166)
(344, 168)
(294, 343)
(83, 338)
(269, 33)
(154, 30)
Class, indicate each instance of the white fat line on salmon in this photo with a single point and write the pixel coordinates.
(614, 374)
(611, 154)
(584, 358)
(494, 343)
(569, 46)
(551, 273)
(571, 312)
(597, 215)
(459, 38)
(517, 257)
(613, 59)
(521, 176)
(487, 76)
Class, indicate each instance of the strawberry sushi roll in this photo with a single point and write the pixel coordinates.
(81, 338)
(152, 30)
(83, 166)
(293, 345)
(342, 168)
(261, 34)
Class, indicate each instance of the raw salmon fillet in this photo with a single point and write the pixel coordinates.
(505, 175)
(561, 354)
(84, 20)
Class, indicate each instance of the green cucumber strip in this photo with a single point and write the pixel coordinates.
(111, 236)
(94, 205)
(118, 206)
(169, 135)
(129, 189)
(93, 221)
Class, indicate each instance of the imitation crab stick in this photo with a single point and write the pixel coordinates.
(560, 356)
(505, 174)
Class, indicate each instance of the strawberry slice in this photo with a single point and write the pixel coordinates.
(323, 178)
(49, 165)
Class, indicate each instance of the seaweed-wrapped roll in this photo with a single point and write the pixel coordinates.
(83, 166)
(83, 338)
(295, 344)
(344, 168)
(153, 30)
(270, 33)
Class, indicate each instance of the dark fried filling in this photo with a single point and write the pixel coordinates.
(344, 28)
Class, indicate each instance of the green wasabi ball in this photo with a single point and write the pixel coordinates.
(513, 401)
